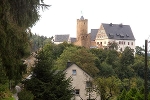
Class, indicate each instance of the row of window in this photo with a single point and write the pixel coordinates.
(123, 42)
(120, 42)
(101, 36)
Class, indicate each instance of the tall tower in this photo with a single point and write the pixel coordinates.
(83, 38)
(82, 27)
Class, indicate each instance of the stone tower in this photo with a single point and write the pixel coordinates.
(83, 38)
(82, 26)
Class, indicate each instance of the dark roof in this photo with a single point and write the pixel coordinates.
(118, 31)
(93, 34)
(73, 40)
(61, 38)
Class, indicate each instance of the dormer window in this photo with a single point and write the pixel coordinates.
(127, 35)
(117, 34)
(121, 35)
(111, 35)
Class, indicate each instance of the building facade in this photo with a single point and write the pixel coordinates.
(81, 83)
(61, 38)
(118, 33)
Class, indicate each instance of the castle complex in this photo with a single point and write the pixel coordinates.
(100, 38)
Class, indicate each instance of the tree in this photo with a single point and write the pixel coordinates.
(46, 83)
(112, 57)
(25, 95)
(132, 94)
(127, 57)
(16, 19)
(80, 56)
(126, 60)
(101, 54)
(139, 51)
(107, 87)
(106, 70)
(113, 45)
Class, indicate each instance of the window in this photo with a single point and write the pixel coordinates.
(124, 42)
(74, 72)
(119, 42)
(128, 43)
(131, 43)
(77, 91)
(101, 43)
(88, 84)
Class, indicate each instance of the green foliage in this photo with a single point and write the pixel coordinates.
(5, 94)
(112, 57)
(38, 42)
(25, 95)
(46, 83)
(81, 57)
(100, 53)
(113, 46)
(107, 87)
(16, 17)
(132, 94)
(139, 51)
(127, 57)
(106, 70)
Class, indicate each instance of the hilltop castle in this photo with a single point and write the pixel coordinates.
(100, 38)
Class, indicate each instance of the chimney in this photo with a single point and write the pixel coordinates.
(68, 63)
(111, 24)
(120, 25)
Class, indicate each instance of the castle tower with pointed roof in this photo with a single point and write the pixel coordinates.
(83, 38)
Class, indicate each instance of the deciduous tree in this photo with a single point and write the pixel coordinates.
(80, 56)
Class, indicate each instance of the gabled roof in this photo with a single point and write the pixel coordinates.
(69, 64)
(93, 34)
(61, 38)
(118, 31)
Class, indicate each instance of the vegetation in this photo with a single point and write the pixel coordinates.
(114, 72)
(16, 19)
(47, 83)
(37, 41)
(81, 57)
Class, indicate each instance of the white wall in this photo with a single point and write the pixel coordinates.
(79, 82)
(121, 43)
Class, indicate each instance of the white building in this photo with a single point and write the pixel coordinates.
(81, 83)
(58, 39)
(119, 33)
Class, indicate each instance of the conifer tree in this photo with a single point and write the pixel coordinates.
(46, 83)
(16, 19)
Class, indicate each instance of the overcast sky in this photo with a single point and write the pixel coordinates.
(62, 15)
